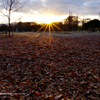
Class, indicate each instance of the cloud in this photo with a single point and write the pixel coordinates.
(60, 7)
(81, 7)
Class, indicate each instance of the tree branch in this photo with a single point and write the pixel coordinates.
(4, 14)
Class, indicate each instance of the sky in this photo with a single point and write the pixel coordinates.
(54, 10)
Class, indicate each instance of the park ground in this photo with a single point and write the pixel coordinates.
(50, 66)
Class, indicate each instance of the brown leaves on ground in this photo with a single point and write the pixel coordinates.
(63, 69)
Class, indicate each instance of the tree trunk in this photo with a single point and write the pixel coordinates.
(9, 30)
(9, 24)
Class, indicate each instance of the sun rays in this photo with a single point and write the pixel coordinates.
(49, 27)
(47, 30)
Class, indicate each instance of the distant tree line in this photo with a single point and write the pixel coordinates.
(3, 27)
(69, 24)
(21, 27)
(31, 26)
(26, 26)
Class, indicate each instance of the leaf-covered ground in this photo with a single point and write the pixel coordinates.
(44, 68)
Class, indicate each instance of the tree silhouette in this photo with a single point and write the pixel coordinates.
(91, 25)
(10, 6)
(71, 22)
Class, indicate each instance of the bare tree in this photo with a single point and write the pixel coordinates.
(10, 6)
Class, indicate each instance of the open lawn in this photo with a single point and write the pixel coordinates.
(50, 68)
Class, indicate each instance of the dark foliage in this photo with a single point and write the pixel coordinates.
(92, 25)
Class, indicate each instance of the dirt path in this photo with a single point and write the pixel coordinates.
(60, 34)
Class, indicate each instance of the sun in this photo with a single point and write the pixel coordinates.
(49, 24)
(49, 20)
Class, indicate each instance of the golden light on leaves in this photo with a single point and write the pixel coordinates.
(22, 57)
